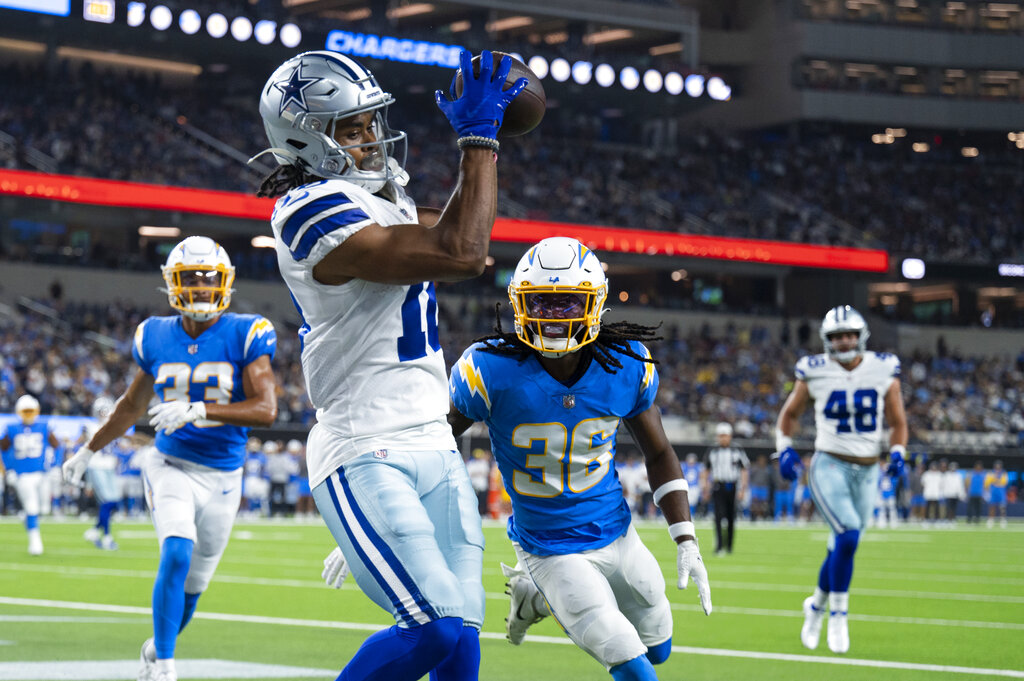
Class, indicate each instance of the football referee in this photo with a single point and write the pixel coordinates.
(727, 467)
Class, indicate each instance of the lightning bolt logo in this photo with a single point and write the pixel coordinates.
(648, 369)
(473, 379)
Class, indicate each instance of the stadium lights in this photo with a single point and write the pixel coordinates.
(604, 74)
(265, 31)
(410, 10)
(101, 11)
(136, 13)
(22, 46)
(921, 147)
(539, 65)
(653, 80)
(560, 70)
(607, 36)
(629, 77)
(290, 35)
(216, 25)
(150, 230)
(161, 18)
(241, 29)
(718, 90)
(190, 22)
(912, 268)
(694, 85)
(582, 72)
(969, 152)
(262, 241)
(460, 26)
(673, 83)
(129, 61)
(678, 275)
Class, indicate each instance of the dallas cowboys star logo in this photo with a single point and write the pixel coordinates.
(294, 89)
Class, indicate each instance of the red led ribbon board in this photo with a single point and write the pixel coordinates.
(235, 205)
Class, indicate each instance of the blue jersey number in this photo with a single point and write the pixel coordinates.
(413, 342)
(865, 410)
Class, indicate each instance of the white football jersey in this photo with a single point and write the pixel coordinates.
(849, 405)
(370, 352)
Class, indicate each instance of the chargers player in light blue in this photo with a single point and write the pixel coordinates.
(693, 471)
(28, 440)
(210, 372)
(854, 392)
(553, 395)
(360, 259)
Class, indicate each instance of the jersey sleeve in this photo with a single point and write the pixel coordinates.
(468, 386)
(315, 221)
(801, 368)
(260, 339)
(647, 390)
(139, 349)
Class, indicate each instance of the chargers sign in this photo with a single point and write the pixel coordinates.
(395, 49)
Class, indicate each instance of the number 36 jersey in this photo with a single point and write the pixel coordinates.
(371, 355)
(204, 369)
(849, 405)
(555, 445)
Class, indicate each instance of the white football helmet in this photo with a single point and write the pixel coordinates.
(558, 292)
(102, 407)
(199, 275)
(840, 319)
(304, 99)
(27, 409)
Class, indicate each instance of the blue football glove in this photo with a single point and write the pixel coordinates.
(789, 463)
(481, 108)
(896, 463)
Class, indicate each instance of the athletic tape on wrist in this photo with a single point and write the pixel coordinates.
(782, 441)
(679, 485)
(898, 448)
(677, 530)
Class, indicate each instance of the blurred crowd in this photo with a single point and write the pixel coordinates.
(579, 166)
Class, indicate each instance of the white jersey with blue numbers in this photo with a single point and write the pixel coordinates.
(849, 406)
(554, 444)
(28, 446)
(205, 369)
(370, 352)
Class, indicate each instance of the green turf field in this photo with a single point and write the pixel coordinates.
(925, 604)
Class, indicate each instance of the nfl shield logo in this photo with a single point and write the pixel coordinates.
(380, 453)
(568, 401)
(193, 349)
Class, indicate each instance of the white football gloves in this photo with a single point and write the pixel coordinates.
(690, 566)
(169, 416)
(74, 468)
(11, 477)
(335, 569)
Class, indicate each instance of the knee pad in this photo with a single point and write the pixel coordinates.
(659, 653)
(637, 669)
(846, 543)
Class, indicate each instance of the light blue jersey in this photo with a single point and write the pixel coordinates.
(692, 471)
(29, 444)
(208, 368)
(555, 445)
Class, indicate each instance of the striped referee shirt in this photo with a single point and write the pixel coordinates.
(726, 463)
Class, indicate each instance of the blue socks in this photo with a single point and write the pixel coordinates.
(169, 594)
(400, 654)
(191, 600)
(823, 581)
(464, 662)
(840, 565)
(637, 669)
(31, 522)
(104, 520)
(660, 652)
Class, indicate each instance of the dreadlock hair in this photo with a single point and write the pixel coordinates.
(613, 338)
(283, 179)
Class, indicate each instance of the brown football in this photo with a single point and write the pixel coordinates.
(525, 112)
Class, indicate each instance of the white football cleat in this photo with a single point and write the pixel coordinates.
(92, 534)
(810, 633)
(147, 658)
(838, 633)
(522, 612)
(35, 543)
(107, 543)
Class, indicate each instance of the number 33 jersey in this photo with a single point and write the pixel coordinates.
(370, 352)
(555, 445)
(204, 369)
(849, 405)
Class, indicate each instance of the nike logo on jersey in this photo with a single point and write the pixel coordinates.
(227, 491)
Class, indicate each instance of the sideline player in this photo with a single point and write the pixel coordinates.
(360, 259)
(29, 439)
(101, 474)
(852, 389)
(211, 371)
(552, 395)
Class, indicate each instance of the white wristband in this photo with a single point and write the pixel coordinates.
(677, 530)
(898, 448)
(86, 452)
(678, 485)
(782, 441)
